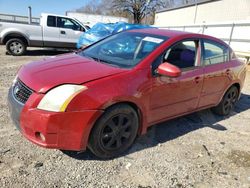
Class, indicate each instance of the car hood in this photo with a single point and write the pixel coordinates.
(43, 75)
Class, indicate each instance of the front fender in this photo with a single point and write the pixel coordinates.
(128, 88)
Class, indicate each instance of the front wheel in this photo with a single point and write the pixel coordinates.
(228, 102)
(114, 132)
(16, 47)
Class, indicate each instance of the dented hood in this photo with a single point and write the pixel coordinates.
(65, 69)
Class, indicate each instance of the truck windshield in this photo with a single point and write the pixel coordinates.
(125, 49)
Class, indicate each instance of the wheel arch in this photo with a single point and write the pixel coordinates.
(220, 108)
(12, 35)
(94, 143)
(142, 125)
(236, 84)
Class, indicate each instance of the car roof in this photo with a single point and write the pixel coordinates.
(162, 32)
(176, 34)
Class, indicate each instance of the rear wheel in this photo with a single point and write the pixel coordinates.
(228, 102)
(16, 47)
(114, 132)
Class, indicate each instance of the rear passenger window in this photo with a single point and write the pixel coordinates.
(215, 53)
(51, 21)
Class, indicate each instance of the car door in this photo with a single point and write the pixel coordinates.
(70, 31)
(175, 96)
(217, 73)
(51, 37)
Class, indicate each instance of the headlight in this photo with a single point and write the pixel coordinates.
(57, 99)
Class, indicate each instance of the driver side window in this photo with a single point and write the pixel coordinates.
(67, 24)
(183, 54)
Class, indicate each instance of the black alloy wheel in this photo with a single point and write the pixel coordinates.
(114, 132)
(228, 102)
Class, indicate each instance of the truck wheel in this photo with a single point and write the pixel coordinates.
(16, 47)
(114, 132)
(228, 102)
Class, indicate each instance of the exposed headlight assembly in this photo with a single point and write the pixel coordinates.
(57, 99)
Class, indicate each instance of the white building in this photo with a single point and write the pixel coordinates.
(206, 11)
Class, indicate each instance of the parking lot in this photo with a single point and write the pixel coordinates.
(198, 150)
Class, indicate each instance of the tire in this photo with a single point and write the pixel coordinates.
(114, 132)
(228, 102)
(16, 47)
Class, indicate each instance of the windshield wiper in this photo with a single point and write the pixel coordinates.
(96, 59)
(99, 60)
(89, 57)
(108, 62)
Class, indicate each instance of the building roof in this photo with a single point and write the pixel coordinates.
(197, 2)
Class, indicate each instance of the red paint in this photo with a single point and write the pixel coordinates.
(70, 68)
(167, 69)
(157, 98)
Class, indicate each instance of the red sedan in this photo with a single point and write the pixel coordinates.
(105, 95)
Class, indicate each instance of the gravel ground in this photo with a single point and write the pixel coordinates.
(198, 150)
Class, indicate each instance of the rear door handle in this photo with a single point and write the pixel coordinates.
(197, 79)
(228, 71)
(63, 32)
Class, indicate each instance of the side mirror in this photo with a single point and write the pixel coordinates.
(166, 69)
(82, 29)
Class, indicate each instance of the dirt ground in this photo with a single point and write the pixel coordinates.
(198, 150)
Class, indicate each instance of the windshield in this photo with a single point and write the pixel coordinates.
(125, 49)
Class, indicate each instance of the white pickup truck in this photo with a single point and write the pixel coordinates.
(53, 31)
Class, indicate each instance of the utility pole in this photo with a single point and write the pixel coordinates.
(195, 13)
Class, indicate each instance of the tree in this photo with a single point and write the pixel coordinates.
(137, 8)
(92, 7)
(137, 11)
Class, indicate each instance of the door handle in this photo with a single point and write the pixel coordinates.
(210, 76)
(228, 71)
(197, 79)
(63, 32)
(229, 74)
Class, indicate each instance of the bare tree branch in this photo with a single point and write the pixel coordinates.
(138, 8)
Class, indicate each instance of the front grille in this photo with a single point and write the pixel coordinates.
(21, 92)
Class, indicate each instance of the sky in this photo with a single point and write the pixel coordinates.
(20, 7)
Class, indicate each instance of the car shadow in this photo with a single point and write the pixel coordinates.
(172, 129)
(45, 52)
